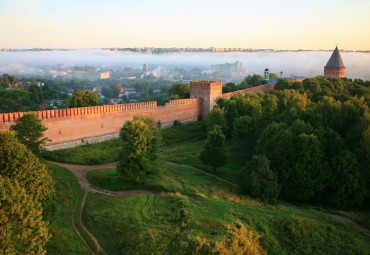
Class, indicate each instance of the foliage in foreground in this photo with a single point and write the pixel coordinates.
(18, 163)
(25, 184)
(22, 229)
(238, 240)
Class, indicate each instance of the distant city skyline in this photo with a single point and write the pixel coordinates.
(285, 24)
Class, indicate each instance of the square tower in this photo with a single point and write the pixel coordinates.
(207, 92)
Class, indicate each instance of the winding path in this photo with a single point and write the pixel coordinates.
(80, 172)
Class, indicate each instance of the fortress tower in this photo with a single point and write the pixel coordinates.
(207, 92)
(335, 68)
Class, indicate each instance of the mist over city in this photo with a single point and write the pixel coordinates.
(305, 63)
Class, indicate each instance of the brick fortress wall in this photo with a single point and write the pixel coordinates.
(262, 88)
(76, 126)
(79, 124)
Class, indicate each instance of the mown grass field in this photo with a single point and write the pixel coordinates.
(59, 212)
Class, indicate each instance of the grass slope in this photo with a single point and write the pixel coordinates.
(59, 214)
(164, 223)
(107, 152)
(90, 154)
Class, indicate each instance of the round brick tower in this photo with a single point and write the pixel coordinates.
(335, 68)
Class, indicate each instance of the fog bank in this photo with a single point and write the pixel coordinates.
(291, 63)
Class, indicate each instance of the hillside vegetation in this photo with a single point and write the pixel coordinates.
(317, 129)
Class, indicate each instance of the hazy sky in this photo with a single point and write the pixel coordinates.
(284, 24)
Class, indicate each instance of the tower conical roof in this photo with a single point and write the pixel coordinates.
(335, 60)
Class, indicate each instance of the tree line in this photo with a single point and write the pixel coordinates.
(303, 142)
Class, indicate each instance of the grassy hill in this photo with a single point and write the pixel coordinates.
(192, 211)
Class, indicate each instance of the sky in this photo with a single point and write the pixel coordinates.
(284, 24)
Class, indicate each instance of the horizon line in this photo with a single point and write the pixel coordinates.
(150, 47)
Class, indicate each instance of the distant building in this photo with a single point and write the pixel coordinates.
(335, 67)
(228, 69)
(105, 75)
(81, 75)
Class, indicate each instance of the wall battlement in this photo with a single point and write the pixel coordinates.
(60, 113)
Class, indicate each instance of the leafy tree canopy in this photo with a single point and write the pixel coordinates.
(82, 98)
(19, 163)
(30, 132)
(22, 230)
(179, 90)
(140, 148)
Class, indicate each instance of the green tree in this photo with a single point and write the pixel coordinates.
(229, 87)
(22, 229)
(82, 98)
(111, 92)
(258, 180)
(140, 149)
(283, 84)
(306, 177)
(215, 151)
(15, 100)
(180, 90)
(273, 76)
(244, 133)
(252, 81)
(346, 182)
(19, 163)
(217, 117)
(36, 94)
(30, 132)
